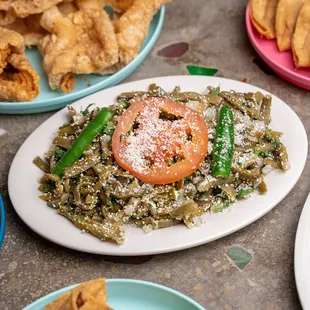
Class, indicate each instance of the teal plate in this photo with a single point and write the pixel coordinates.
(49, 100)
(127, 294)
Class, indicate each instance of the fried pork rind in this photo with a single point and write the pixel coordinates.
(30, 28)
(7, 16)
(84, 42)
(24, 8)
(87, 296)
(120, 5)
(18, 80)
(263, 14)
(301, 40)
(286, 18)
(11, 42)
(90, 4)
(66, 8)
(132, 27)
(5, 5)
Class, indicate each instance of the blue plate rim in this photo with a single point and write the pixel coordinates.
(119, 280)
(2, 221)
(94, 88)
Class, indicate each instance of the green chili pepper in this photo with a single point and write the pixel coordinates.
(83, 140)
(224, 144)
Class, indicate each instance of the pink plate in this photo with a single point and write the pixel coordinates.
(281, 63)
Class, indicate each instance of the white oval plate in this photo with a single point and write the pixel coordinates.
(24, 176)
(302, 256)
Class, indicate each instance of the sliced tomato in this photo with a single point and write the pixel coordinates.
(160, 141)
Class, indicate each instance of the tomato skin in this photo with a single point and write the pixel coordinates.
(193, 152)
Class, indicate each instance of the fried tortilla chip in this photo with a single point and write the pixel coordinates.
(263, 15)
(83, 42)
(30, 28)
(24, 8)
(87, 296)
(132, 27)
(286, 18)
(18, 80)
(301, 39)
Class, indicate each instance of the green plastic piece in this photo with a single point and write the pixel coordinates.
(196, 70)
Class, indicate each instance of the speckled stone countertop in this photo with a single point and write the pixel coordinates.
(31, 267)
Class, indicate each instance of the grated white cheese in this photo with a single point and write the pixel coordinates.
(129, 209)
(210, 114)
(198, 221)
(267, 169)
(147, 228)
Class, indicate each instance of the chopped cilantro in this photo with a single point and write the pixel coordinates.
(74, 182)
(86, 111)
(121, 105)
(48, 188)
(242, 193)
(111, 205)
(109, 128)
(275, 142)
(59, 152)
(221, 206)
(263, 154)
(272, 140)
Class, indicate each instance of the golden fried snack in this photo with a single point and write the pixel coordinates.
(30, 28)
(18, 80)
(120, 5)
(7, 16)
(286, 18)
(84, 42)
(90, 295)
(24, 8)
(5, 5)
(132, 27)
(11, 43)
(90, 4)
(66, 8)
(301, 39)
(55, 46)
(263, 14)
